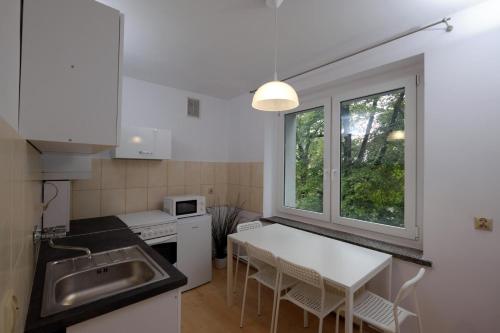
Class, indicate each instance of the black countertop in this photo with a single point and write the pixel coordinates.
(98, 234)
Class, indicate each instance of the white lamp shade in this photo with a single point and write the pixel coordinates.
(275, 96)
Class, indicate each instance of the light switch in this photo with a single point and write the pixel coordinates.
(483, 223)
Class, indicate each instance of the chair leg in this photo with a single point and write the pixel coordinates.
(258, 299)
(276, 295)
(306, 319)
(277, 314)
(244, 296)
(361, 326)
(320, 328)
(337, 319)
(236, 271)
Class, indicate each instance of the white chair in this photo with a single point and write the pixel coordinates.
(239, 228)
(387, 316)
(309, 294)
(267, 276)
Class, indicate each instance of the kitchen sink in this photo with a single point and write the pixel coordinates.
(84, 279)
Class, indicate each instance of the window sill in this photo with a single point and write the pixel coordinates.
(404, 253)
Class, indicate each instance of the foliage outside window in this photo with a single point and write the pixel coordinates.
(304, 148)
(372, 161)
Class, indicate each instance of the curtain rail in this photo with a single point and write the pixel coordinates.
(445, 20)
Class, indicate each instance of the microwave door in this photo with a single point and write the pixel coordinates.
(186, 207)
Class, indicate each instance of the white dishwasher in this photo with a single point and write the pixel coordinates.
(194, 249)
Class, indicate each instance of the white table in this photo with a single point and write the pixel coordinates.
(341, 264)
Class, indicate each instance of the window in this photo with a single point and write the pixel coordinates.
(368, 135)
(304, 146)
(374, 158)
(305, 183)
(372, 164)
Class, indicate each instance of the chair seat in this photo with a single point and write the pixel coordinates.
(377, 311)
(267, 277)
(309, 298)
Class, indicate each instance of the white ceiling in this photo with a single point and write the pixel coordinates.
(223, 48)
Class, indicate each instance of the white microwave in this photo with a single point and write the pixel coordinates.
(184, 205)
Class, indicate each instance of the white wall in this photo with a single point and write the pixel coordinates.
(10, 14)
(247, 130)
(461, 162)
(199, 139)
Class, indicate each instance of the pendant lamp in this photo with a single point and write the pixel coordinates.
(275, 95)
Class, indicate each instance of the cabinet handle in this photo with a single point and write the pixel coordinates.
(196, 227)
(145, 152)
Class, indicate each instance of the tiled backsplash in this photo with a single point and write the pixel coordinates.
(125, 186)
(20, 207)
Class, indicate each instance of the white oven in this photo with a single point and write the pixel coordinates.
(184, 205)
(157, 229)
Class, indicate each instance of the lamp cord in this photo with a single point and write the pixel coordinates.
(275, 43)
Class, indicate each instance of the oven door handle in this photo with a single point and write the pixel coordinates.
(160, 240)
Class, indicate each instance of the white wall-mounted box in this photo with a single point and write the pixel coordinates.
(144, 143)
(56, 166)
(70, 75)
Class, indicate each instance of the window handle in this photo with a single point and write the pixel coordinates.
(333, 174)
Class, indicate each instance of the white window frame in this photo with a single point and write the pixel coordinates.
(410, 228)
(325, 216)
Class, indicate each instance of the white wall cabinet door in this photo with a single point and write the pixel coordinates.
(70, 75)
(144, 143)
(194, 249)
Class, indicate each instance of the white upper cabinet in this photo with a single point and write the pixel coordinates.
(144, 143)
(70, 75)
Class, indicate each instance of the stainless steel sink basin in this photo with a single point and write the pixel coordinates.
(80, 280)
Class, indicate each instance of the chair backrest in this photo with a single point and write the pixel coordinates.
(408, 287)
(301, 273)
(248, 226)
(254, 252)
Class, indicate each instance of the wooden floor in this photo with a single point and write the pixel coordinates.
(204, 309)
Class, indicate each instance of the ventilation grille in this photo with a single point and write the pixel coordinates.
(193, 107)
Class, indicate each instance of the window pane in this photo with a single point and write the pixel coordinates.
(372, 158)
(304, 140)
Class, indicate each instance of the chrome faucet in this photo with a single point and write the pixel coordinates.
(75, 248)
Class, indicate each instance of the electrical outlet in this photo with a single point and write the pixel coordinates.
(483, 223)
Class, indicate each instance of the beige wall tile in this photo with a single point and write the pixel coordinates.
(207, 173)
(175, 173)
(245, 174)
(20, 199)
(192, 189)
(233, 192)
(156, 196)
(113, 173)
(245, 193)
(157, 173)
(220, 194)
(233, 173)
(256, 200)
(208, 191)
(221, 173)
(257, 174)
(137, 174)
(86, 204)
(112, 202)
(136, 200)
(192, 173)
(175, 190)
(94, 183)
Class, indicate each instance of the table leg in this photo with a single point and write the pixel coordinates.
(349, 303)
(229, 298)
(389, 281)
